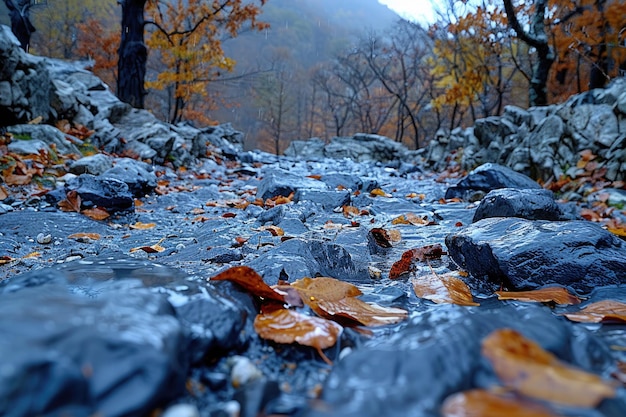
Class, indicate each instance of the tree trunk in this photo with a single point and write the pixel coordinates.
(538, 94)
(21, 26)
(133, 54)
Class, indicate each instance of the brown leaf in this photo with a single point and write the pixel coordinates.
(13, 179)
(350, 211)
(411, 218)
(288, 326)
(335, 299)
(274, 230)
(381, 237)
(605, 311)
(3, 193)
(72, 202)
(377, 192)
(250, 280)
(85, 236)
(481, 403)
(526, 367)
(406, 263)
(142, 226)
(443, 289)
(557, 295)
(6, 259)
(96, 213)
(150, 249)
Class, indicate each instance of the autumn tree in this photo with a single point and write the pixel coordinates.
(99, 43)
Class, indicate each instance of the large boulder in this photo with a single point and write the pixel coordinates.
(489, 177)
(533, 204)
(522, 254)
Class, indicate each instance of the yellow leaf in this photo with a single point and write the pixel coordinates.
(558, 295)
(142, 226)
(525, 367)
(443, 289)
(85, 236)
(377, 192)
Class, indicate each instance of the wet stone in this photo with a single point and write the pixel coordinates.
(109, 193)
(531, 204)
(523, 254)
(222, 255)
(139, 176)
(282, 183)
(489, 177)
(328, 200)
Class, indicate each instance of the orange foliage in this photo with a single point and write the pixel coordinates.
(101, 45)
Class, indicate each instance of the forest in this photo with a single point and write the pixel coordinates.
(281, 70)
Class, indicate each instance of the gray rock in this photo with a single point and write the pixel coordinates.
(117, 355)
(327, 199)
(109, 193)
(94, 164)
(48, 134)
(535, 204)
(523, 254)
(312, 149)
(489, 177)
(279, 182)
(139, 176)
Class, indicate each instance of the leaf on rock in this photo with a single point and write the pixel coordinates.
(377, 192)
(142, 226)
(557, 295)
(288, 326)
(381, 237)
(6, 259)
(335, 299)
(482, 403)
(96, 213)
(411, 218)
(150, 249)
(443, 289)
(14, 179)
(605, 311)
(527, 368)
(406, 263)
(274, 230)
(85, 236)
(250, 280)
(350, 211)
(72, 202)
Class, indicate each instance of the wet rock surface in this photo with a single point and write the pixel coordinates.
(203, 352)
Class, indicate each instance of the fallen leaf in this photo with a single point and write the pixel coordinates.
(381, 237)
(557, 295)
(85, 236)
(150, 249)
(96, 213)
(335, 299)
(411, 218)
(72, 202)
(443, 289)
(3, 193)
(527, 368)
(32, 255)
(350, 211)
(288, 326)
(406, 263)
(605, 311)
(6, 260)
(249, 280)
(377, 192)
(197, 211)
(274, 230)
(229, 215)
(142, 226)
(482, 403)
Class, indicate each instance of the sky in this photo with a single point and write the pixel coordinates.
(416, 10)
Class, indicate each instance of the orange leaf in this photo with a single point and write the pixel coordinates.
(250, 280)
(288, 326)
(411, 218)
(142, 226)
(405, 264)
(85, 236)
(72, 202)
(32, 255)
(336, 299)
(443, 289)
(526, 367)
(13, 179)
(3, 193)
(605, 311)
(96, 213)
(481, 403)
(350, 211)
(274, 230)
(557, 295)
(377, 192)
(197, 211)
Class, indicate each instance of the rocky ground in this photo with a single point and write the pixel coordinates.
(151, 269)
(121, 317)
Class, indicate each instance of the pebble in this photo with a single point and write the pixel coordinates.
(243, 371)
(182, 410)
(44, 239)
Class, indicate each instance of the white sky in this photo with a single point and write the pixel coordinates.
(416, 10)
